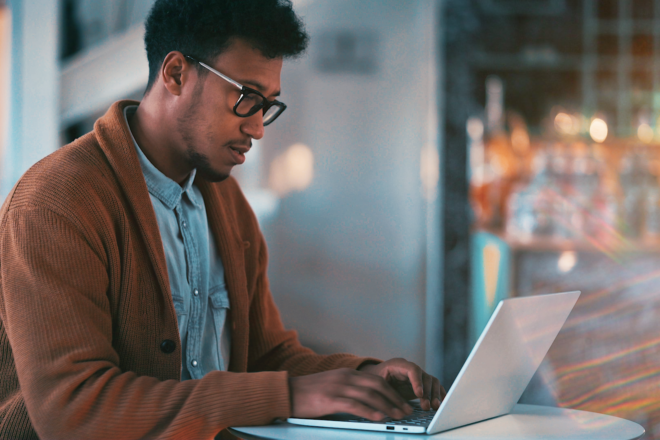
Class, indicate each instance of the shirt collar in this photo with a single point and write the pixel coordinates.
(159, 185)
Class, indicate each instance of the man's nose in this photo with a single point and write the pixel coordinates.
(253, 126)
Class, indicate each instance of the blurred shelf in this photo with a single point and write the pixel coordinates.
(553, 244)
(92, 80)
(551, 60)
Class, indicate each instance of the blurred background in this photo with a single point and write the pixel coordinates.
(436, 156)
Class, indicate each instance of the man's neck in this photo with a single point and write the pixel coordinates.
(156, 142)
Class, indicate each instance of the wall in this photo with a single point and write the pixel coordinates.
(348, 254)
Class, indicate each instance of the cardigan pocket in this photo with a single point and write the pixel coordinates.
(219, 306)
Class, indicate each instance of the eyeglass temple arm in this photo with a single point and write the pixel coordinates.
(226, 78)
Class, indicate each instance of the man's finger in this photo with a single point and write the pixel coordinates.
(379, 384)
(374, 399)
(443, 393)
(428, 390)
(437, 394)
(415, 378)
(357, 408)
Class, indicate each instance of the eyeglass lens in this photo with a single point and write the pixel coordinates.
(250, 103)
(271, 114)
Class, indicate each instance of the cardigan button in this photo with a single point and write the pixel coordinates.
(167, 346)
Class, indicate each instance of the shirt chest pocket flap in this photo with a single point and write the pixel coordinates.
(219, 300)
(219, 297)
(181, 313)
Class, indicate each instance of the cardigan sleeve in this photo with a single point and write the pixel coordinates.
(55, 310)
(274, 348)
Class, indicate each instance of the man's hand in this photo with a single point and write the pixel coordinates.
(346, 391)
(410, 381)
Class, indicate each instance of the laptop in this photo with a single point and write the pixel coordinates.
(501, 364)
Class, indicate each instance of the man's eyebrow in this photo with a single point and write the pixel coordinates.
(258, 86)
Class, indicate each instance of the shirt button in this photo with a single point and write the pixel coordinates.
(195, 292)
(167, 346)
(184, 223)
(194, 363)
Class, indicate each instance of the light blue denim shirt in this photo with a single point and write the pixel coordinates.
(196, 273)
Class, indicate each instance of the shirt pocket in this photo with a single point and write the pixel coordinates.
(181, 314)
(219, 307)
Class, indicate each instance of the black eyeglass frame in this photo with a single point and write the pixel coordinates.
(264, 106)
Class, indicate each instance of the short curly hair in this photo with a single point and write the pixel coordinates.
(204, 28)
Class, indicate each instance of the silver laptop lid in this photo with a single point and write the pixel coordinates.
(504, 359)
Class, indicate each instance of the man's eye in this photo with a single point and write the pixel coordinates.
(252, 98)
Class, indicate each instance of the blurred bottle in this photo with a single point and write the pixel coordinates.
(542, 189)
(497, 158)
(631, 178)
(651, 231)
(520, 217)
(530, 203)
(585, 182)
(652, 215)
(518, 212)
(561, 188)
(605, 216)
(479, 172)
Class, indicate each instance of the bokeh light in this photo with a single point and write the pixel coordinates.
(645, 133)
(475, 128)
(567, 261)
(567, 124)
(598, 130)
(292, 171)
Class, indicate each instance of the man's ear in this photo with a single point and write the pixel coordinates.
(175, 72)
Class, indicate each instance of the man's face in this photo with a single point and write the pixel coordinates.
(214, 138)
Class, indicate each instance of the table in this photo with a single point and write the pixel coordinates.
(524, 422)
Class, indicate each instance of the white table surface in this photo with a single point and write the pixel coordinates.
(524, 422)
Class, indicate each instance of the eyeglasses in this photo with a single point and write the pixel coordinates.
(250, 101)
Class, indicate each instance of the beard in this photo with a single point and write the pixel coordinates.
(203, 166)
(186, 126)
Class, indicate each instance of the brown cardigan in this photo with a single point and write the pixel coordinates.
(85, 306)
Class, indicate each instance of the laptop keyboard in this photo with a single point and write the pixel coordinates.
(419, 417)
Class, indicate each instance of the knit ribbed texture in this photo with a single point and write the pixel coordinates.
(85, 305)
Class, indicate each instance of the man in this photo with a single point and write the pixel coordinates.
(134, 300)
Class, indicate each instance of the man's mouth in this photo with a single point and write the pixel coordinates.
(240, 149)
(238, 153)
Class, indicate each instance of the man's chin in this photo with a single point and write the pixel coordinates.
(204, 169)
(211, 175)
